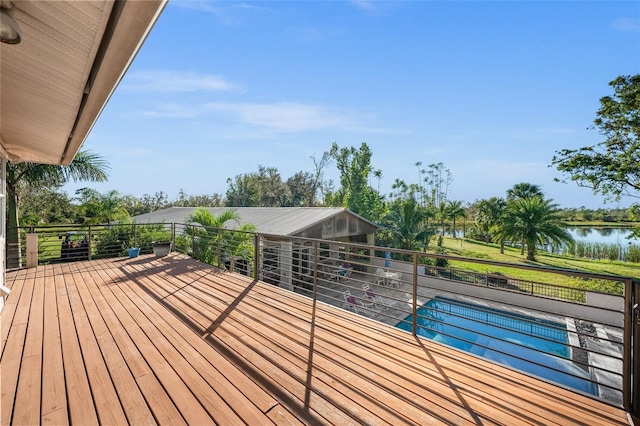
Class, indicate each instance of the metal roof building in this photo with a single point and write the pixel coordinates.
(329, 223)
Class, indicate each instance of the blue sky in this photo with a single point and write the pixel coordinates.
(490, 89)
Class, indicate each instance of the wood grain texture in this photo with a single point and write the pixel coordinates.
(173, 341)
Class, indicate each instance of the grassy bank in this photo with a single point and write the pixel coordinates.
(478, 250)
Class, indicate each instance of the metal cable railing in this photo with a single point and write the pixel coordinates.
(497, 316)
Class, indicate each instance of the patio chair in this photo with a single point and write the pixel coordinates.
(351, 301)
(375, 298)
(379, 278)
(343, 274)
(395, 281)
(347, 274)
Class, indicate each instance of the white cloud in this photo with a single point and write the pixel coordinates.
(364, 4)
(247, 6)
(264, 120)
(286, 116)
(171, 110)
(176, 82)
(626, 25)
(226, 12)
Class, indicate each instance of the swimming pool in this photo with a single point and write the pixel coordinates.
(534, 346)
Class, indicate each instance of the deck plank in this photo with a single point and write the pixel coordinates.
(269, 374)
(54, 398)
(158, 401)
(133, 403)
(171, 340)
(105, 397)
(11, 304)
(242, 394)
(203, 391)
(27, 405)
(377, 403)
(173, 384)
(13, 350)
(80, 405)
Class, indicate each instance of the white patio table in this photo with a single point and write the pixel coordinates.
(388, 276)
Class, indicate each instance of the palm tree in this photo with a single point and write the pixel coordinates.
(441, 215)
(488, 214)
(378, 175)
(535, 221)
(405, 222)
(455, 210)
(524, 190)
(20, 177)
(209, 239)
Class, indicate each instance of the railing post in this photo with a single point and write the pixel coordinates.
(89, 243)
(32, 249)
(631, 351)
(219, 248)
(193, 241)
(414, 307)
(135, 236)
(315, 275)
(256, 256)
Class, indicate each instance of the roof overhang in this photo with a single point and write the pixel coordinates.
(57, 80)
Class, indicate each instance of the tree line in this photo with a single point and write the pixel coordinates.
(409, 214)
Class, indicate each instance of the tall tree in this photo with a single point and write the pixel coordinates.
(185, 200)
(378, 175)
(611, 167)
(263, 188)
(489, 212)
(100, 208)
(22, 177)
(519, 191)
(46, 206)
(438, 179)
(442, 215)
(355, 193)
(455, 210)
(319, 185)
(534, 221)
(302, 190)
(524, 190)
(405, 222)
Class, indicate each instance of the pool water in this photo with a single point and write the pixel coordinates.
(533, 346)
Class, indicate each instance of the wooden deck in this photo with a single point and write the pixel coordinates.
(170, 340)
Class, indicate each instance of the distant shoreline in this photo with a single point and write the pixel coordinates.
(587, 224)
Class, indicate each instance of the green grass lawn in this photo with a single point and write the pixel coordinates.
(478, 250)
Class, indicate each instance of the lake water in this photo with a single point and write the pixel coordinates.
(616, 236)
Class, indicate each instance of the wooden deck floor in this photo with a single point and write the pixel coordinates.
(170, 340)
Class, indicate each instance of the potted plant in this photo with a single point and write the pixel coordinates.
(161, 248)
(133, 252)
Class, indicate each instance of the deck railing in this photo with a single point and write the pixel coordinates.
(595, 328)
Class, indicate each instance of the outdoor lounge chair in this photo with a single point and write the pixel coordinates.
(365, 306)
(375, 298)
(351, 301)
